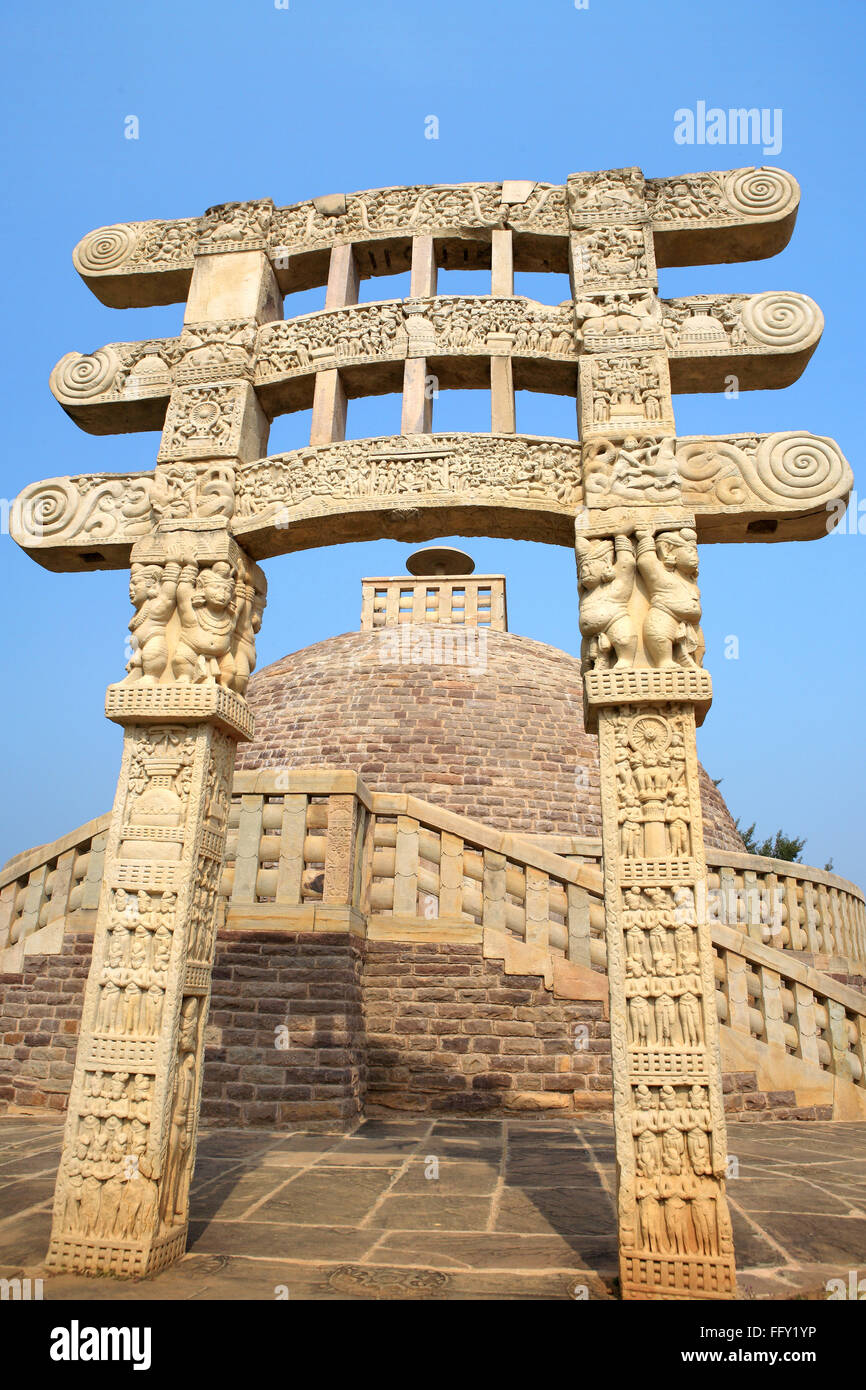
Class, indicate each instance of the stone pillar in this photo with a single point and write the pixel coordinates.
(417, 411)
(645, 690)
(129, 1146)
(329, 396)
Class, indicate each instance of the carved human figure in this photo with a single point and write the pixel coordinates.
(658, 944)
(182, 1115)
(666, 1015)
(132, 1008)
(153, 591)
(138, 1202)
(698, 1123)
(690, 1019)
(673, 1143)
(677, 817)
(161, 950)
(704, 1222)
(635, 945)
(685, 942)
(644, 1129)
(205, 603)
(652, 1224)
(142, 1094)
(250, 603)
(139, 955)
(605, 579)
(668, 564)
(631, 832)
(116, 956)
(677, 1224)
(640, 1021)
(91, 1192)
(106, 1013)
(75, 1167)
(152, 1003)
(110, 1199)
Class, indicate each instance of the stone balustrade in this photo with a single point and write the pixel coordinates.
(277, 857)
(314, 850)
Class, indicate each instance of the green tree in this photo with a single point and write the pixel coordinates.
(778, 846)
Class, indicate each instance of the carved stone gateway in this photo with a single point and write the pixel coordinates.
(634, 500)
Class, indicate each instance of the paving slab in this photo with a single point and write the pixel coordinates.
(521, 1209)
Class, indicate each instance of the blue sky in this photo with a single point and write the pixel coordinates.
(243, 100)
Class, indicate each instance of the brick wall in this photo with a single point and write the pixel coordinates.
(744, 1102)
(285, 1037)
(40, 1011)
(428, 1027)
(308, 985)
(448, 1030)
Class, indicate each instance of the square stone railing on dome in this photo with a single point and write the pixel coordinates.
(476, 600)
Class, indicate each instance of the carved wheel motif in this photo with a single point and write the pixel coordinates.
(649, 734)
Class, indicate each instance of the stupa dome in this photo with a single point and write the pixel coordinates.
(493, 729)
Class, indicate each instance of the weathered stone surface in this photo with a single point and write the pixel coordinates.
(633, 494)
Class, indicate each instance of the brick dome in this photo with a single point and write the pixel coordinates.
(504, 744)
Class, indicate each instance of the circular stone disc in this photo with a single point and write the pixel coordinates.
(438, 560)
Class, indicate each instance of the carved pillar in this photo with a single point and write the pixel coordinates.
(644, 691)
(129, 1147)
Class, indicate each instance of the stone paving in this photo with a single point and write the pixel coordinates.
(520, 1209)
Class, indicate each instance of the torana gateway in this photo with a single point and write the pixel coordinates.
(561, 830)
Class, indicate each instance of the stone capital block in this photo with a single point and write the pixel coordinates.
(626, 393)
(214, 420)
(612, 256)
(643, 687)
(233, 284)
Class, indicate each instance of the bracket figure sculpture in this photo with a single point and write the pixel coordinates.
(632, 498)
